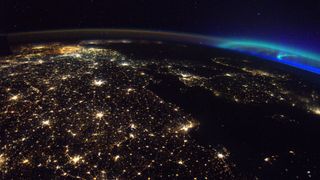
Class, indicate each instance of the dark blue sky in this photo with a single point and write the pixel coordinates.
(288, 22)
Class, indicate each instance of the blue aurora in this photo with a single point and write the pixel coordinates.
(297, 58)
(294, 57)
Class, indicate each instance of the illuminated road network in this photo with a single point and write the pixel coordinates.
(87, 113)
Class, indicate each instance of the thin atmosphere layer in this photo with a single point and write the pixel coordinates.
(282, 54)
(294, 57)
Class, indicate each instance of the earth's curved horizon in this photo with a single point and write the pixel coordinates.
(298, 58)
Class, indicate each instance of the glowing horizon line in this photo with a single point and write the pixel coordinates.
(304, 60)
(301, 59)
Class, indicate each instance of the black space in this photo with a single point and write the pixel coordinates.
(284, 20)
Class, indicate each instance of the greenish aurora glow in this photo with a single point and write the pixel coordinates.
(297, 58)
(291, 56)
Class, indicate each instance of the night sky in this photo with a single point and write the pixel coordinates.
(159, 99)
(291, 22)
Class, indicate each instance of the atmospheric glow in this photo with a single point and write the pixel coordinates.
(295, 57)
(286, 55)
(282, 56)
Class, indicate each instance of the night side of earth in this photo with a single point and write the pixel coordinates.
(146, 109)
